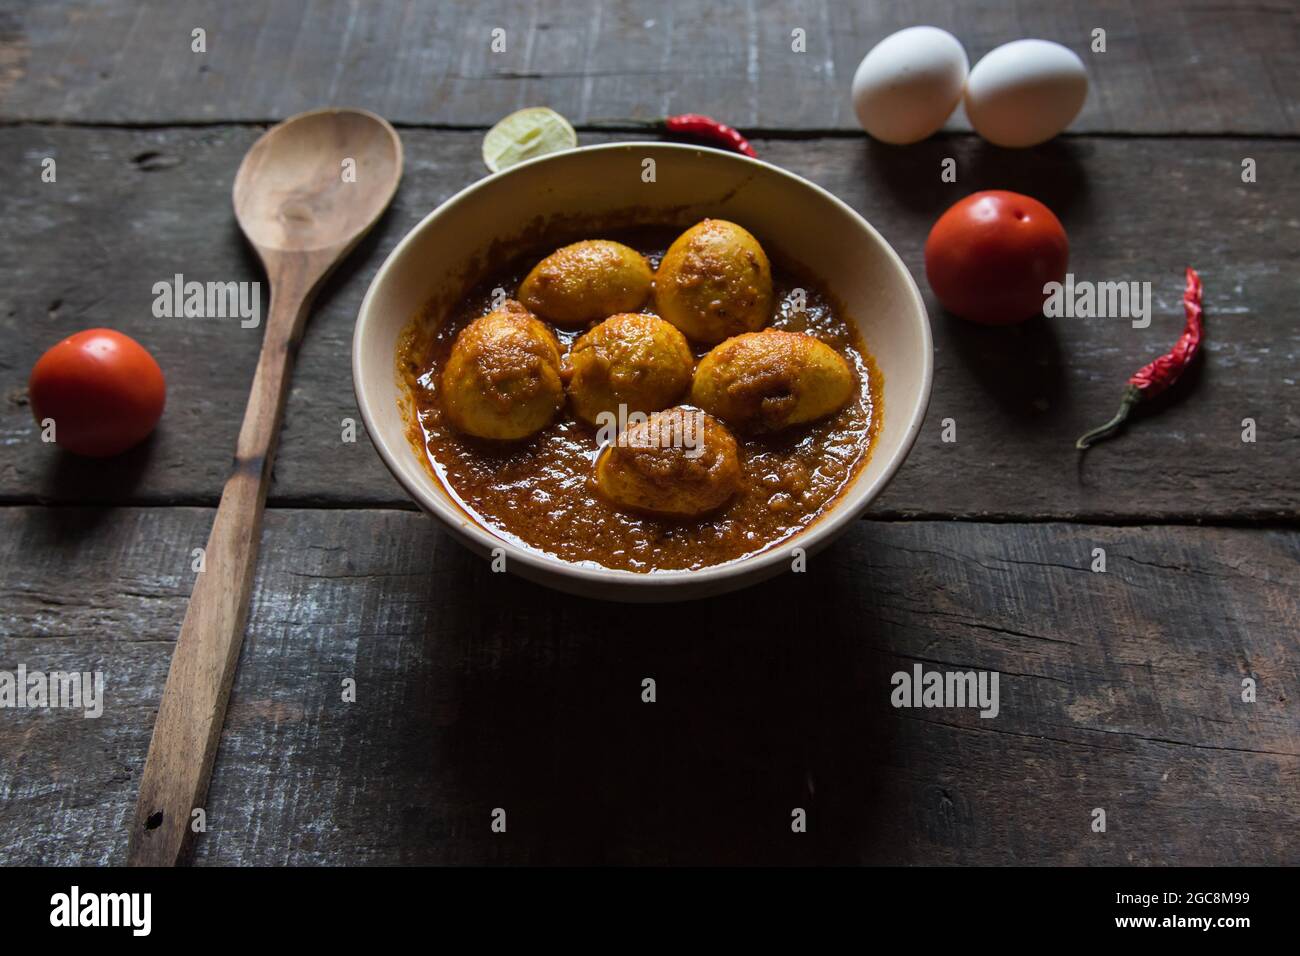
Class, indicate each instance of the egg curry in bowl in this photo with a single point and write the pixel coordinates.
(660, 402)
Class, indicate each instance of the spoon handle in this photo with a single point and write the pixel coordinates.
(193, 708)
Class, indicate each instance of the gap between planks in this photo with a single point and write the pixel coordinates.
(1247, 522)
(752, 132)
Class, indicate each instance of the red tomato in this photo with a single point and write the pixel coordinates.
(989, 256)
(103, 390)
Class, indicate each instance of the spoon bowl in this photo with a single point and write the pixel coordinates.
(317, 178)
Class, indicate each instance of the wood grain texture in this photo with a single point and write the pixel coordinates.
(1170, 66)
(135, 207)
(476, 690)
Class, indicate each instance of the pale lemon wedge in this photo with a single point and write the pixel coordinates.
(526, 134)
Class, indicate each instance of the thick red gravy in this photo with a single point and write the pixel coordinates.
(539, 493)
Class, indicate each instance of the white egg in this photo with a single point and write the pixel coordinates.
(1024, 93)
(909, 84)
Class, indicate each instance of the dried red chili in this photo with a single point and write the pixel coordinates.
(710, 130)
(694, 125)
(1152, 379)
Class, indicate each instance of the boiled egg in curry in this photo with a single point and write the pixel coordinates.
(770, 380)
(586, 282)
(678, 463)
(715, 281)
(636, 363)
(502, 380)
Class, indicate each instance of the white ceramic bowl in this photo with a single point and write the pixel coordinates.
(451, 246)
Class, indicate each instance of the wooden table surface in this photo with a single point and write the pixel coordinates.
(1120, 690)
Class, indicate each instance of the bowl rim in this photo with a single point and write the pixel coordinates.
(821, 532)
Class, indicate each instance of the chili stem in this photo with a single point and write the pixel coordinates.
(1131, 397)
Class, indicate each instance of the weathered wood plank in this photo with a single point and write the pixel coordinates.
(1119, 690)
(1170, 65)
(131, 208)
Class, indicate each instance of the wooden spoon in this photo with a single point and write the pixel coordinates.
(305, 194)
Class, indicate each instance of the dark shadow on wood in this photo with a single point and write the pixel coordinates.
(1052, 173)
(248, 260)
(93, 481)
(1019, 366)
(362, 258)
(762, 706)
